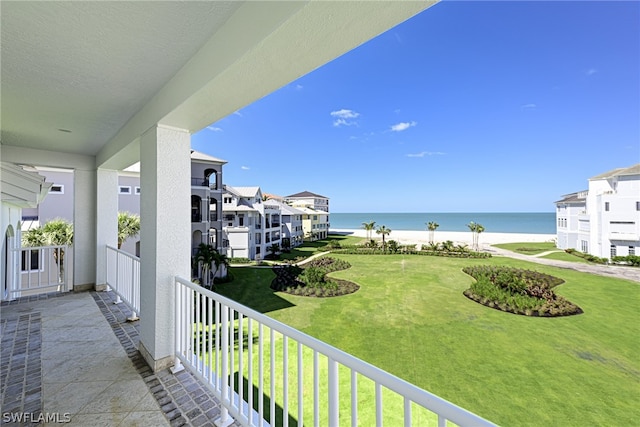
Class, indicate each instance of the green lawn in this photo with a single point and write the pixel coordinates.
(528, 248)
(564, 256)
(411, 319)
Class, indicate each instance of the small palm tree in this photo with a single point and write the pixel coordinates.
(205, 255)
(476, 229)
(432, 226)
(128, 226)
(369, 227)
(56, 232)
(274, 248)
(384, 231)
(220, 260)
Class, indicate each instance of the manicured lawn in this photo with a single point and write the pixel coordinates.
(309, 248)
(564, 256)
(528, 248)
(410, 318)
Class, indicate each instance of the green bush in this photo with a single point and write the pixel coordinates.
(311, 280)
(633, 260)
(518, 291)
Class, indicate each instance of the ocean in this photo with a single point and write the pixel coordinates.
(493, 222)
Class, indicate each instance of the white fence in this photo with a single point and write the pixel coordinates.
(41, 269)
(267, 373)
(123, 277)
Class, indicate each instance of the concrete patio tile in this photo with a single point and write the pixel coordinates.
(145, 419)
(121, 396)
(72, 397)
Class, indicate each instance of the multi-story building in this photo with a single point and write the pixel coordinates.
(291, 220)
(605, 219)
(315, 217)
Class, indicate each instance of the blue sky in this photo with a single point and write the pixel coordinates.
(466, 107)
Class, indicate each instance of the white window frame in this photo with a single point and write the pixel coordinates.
(40, 266)
(136, 191)
(52, 191)
(122, 187)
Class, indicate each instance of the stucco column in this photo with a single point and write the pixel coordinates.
(165, 241)
(107, 221)
(84, 229)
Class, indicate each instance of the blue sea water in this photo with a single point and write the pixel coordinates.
(493, 222)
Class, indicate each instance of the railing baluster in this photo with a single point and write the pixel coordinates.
(240, 364)
(285, 381)
(232, 358)
(272, 364)
(210, 338)
(224, 412)
(316, 389)
(378, 405)
(300, 387)
(260, 373)
(334, 402)
(407, 412)
(354, 398)
(250, 369)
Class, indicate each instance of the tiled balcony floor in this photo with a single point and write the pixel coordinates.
(75, 356)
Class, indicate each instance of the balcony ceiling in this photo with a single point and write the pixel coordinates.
(90, 77)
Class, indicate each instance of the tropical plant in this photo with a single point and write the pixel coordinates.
(204, 257)
(369, 227)
(384, 231)
(476, 229)
(273, 249)
(128, 226)
(432, 226)
(56, 232)
(220, 260)
(393, 246)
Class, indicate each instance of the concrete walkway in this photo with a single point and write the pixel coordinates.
(621, 272)
(72, 358)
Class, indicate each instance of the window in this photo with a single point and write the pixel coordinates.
(56, 189)
(30, 260)
(638, 206)
(137, 190)
(613, 251)
(632, 250)
(584, 246)
(124, 189)
(606, 206)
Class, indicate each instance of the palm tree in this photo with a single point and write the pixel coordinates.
(205, 255)
(128, 226)
(220, 260)
(383, 230)
(274, 248)
(476, 229)
(432, 226)
(56, 232)
(369, 226)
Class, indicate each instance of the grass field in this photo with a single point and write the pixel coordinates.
(411, 319)
(528, 248)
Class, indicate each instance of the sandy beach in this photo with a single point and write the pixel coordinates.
(410, 237)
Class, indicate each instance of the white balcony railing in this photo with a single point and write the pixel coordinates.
(244, 356)
(42, 269)
(123, 277)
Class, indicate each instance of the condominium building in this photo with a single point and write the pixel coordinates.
(603, 220)
(315, 217)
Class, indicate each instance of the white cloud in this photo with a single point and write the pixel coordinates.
(426, 153)
(214, 129)
(299, 87)
(591, 71)
(528, 106)
(343, 115)
(245, 168)
(402, 126)
(237, 113)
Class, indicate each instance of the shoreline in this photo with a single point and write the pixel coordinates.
(411, 237)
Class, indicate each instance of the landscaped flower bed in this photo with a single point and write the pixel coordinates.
(310, 279)
(518, 291)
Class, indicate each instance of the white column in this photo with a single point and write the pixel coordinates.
(84, 230)
(107, 221)
(165, 204)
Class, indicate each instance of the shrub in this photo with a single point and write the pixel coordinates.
(518, 291)
(311, 280)
(633, 260)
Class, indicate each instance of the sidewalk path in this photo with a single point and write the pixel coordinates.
(629, 273)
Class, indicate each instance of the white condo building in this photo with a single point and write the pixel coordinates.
(315, 218)
(603, 220)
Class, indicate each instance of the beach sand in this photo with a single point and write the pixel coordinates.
(410, 237)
